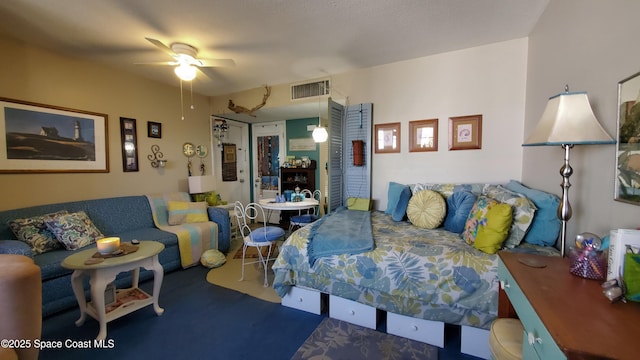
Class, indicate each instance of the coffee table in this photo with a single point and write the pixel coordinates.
(103, 273)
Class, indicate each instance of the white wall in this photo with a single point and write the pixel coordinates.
(590, 45)
(488, 80)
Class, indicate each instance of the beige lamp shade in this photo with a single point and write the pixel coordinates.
(201, 184)
(568, 119)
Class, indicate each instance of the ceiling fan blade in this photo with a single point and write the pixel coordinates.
(217, 62)
(162, 63)
(161, 46)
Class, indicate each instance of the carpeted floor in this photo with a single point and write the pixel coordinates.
(335, 339)
(228, 276)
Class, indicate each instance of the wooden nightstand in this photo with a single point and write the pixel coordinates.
(565, 316)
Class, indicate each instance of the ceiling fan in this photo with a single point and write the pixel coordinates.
(185, 59)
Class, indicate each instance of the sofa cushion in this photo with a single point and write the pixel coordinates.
(184, 212)
(74, 230)
(493, 233)
(477, 217)
(546, 226)
(426, 209)
(459, 205)
(34, 232)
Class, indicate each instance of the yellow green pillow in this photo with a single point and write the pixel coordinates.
(181, 212)
(426, 209)
(492, 234)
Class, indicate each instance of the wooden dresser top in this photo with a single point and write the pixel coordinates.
(582, 321)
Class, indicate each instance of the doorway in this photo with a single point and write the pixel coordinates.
(231, 189)
(268, 144)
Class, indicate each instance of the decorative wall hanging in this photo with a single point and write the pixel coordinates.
(465, 132)
(229, 167)
(129, 144)
(40, 138)
(189, 151)
(423, 135)
(387, 138)
(201, 151)
(154, 129)
(241, 109)
(156, 157)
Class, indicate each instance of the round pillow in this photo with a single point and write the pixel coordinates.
(212, 258)
(426, 209)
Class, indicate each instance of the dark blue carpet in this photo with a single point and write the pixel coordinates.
(201, 321)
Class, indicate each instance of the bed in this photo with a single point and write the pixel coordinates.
(430, 274)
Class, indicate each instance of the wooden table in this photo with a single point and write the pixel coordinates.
(583, 323)
(101, 274)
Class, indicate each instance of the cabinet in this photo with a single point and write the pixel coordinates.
(305, 178)
(565, 316)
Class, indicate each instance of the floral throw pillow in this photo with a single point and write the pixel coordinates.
(74, 230)
(477, 217)
(34, 232)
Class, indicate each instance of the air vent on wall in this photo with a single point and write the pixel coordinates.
(310, 89)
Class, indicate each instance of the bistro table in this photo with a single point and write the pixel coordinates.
(271, 205)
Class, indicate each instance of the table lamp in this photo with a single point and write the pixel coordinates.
(567, 120)
(199, 185)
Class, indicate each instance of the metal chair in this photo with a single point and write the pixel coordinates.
(311, 215)
(258, 237)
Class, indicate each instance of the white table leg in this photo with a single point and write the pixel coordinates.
(158, 276)
(98, 285)
(78, 291)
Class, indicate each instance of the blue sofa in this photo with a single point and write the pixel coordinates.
(127, 217)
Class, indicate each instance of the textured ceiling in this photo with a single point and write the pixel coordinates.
(272, 42)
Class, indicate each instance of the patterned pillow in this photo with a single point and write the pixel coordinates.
(492, 234)
(426, 209)
(477, 217)
(74, 230)
(447, 189)
(181, 212)
(522, 208)
(34, 232)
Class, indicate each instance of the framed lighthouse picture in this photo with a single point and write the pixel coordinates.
(39, 138)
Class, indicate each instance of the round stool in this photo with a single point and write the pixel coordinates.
(20, 302)
(505, 339)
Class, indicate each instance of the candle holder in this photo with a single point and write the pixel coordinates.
(108, 245)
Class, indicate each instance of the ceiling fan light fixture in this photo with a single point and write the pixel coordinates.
(185, 72)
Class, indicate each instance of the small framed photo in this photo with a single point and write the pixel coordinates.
(465, 132)
(387, 138)
(423, 135)
(154, 129)
(129, 144)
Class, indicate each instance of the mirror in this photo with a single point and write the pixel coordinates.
(628, 141)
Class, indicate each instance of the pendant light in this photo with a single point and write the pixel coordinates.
(319, 134)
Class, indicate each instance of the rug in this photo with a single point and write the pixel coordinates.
(228, 276)
(252, 252)
(335, 339)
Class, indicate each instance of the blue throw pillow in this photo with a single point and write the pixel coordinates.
(401, 207)
(545, 227)
(459, 204)
(393, 195)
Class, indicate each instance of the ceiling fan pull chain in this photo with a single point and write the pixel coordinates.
(181, 101)
(191, 85)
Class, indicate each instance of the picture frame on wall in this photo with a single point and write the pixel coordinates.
(154, 129)
(465, 132)
(40, 138)
(387, 138)
(628, 141)
(423, 135)
(128, 136)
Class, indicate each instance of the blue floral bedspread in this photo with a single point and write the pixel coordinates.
(428, 274)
